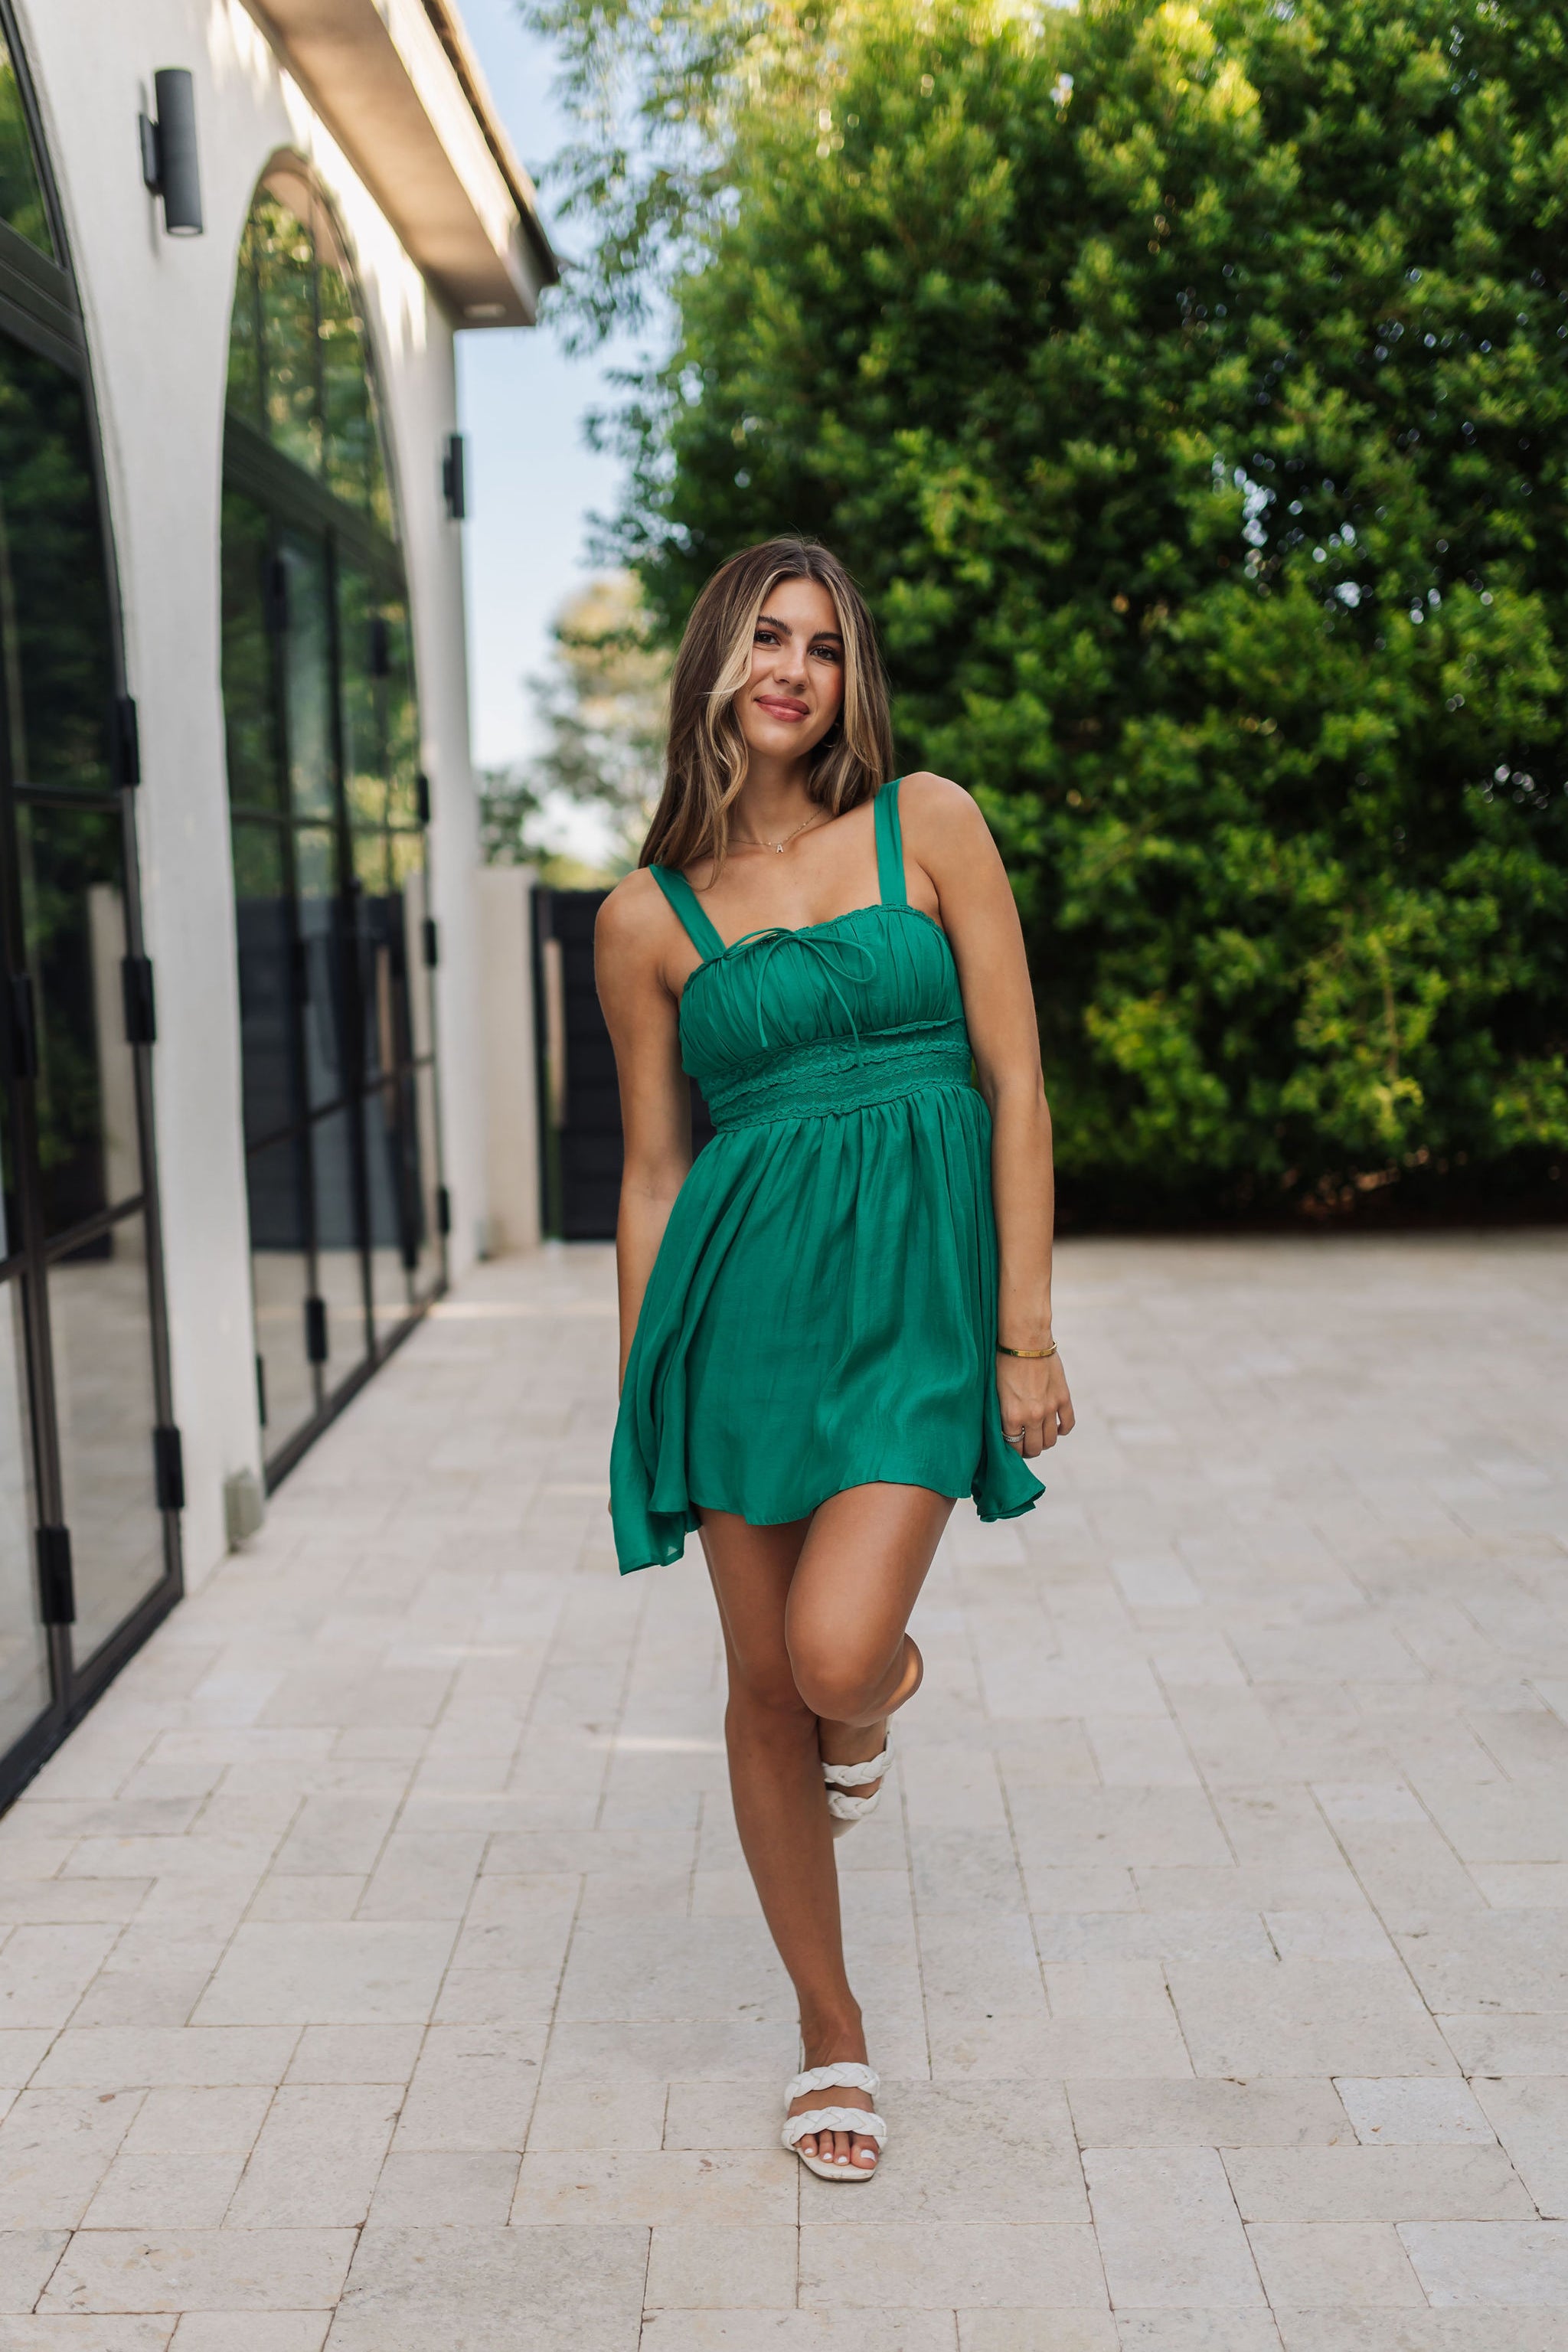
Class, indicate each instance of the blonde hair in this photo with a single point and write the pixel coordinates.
(705, 761)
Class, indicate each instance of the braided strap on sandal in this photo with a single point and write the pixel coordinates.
(846, 2076)
(840, 1776)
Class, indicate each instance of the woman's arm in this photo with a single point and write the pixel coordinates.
(631, 940)
(948, 839)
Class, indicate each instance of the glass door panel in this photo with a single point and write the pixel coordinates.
(428, 1271)
(339, 1243)
(24, 1645)
(269, 1031)
(280, 1284)
(393, 1175)
(306, 613)
(100, 1334)
(320, 944)
(73, 915)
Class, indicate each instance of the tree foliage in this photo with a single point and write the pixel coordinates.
(602, 707)
(1187, 384)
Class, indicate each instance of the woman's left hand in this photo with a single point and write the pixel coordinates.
(1036, 1408)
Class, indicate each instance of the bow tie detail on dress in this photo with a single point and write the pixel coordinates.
(760, 946)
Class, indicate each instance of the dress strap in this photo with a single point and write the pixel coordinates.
(693, 921)
(889, 846)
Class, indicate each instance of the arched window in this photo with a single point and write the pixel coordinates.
(89, 1533)
(329, 810)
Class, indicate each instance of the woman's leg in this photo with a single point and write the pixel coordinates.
(813, 1616)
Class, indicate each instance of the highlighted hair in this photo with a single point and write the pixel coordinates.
(705, 762)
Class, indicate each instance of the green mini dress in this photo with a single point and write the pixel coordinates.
(822, 1312)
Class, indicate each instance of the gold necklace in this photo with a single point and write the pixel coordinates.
(749, 841)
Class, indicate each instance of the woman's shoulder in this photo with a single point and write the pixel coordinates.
(633, 915)
(933, 810)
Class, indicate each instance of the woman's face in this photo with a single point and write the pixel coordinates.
(795, 691)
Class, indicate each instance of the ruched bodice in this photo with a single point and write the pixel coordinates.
(822, 1312)
(800, 1024)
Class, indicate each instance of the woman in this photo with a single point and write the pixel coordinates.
(839, 1320)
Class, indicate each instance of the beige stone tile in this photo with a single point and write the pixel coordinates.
(1422, 2110)
(473, 2091)
(1025, 2049)
(200, 2270)
(1168, 2230)
(1508, 2044)
(707, 2266)
(1375, 2184)
(22, 2052)
(252, 2331)
(1207, 2114)
(624, 2117)
(1306, 2266)
(197, 2122)
(356, 1972)
(1491, 2261)
(427, 2190)
(667, 2050)
(1122, 1989)
(413, 2289)
(1036, 2331)
(28, 2257)
(1470, 2329)
(1305, 2017)
(800, 2331)
(672, 1969)
(1073, 1826)
(284, 1894)
(964, 1974)
(55, 2149)
(315, 2164)
(721, 2114)
(44, 1970)
(1203, 2330)
(1093, 1937)
(356, 2054)
(174, 2056)
(1523, 1885)
(949, 2266)
(164, 2192)
(143, 2333)
(964, 2153)
(1530, 2115)
(662, 2185)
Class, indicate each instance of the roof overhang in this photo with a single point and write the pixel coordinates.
(398, 87)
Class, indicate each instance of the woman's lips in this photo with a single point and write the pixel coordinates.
(778, 710)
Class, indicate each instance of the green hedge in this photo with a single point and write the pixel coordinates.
(1187, 386)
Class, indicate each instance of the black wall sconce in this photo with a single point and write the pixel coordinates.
(454, 478)
(169, 152)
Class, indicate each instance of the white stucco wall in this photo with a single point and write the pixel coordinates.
(157, 312)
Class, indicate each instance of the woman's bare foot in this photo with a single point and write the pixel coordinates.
(824, 2048)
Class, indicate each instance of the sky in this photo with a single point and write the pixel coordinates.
(533, 481)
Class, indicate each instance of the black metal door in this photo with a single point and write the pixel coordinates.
(579, 1102)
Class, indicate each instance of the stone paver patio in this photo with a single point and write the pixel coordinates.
(379, 1969)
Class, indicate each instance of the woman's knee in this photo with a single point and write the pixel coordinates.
(839, 1685)
(766, 1686)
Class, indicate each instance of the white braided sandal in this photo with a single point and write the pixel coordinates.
(847, 2076)
(847, 1811)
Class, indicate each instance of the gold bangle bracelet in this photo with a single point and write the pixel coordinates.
(1032, 1355)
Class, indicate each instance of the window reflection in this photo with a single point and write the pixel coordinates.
(323, 729)
(264, 920)
(101, 1336)
(73, 915)
(21, 196)
(297, 358)
(249, 695)
(23, 1648)
(56, 682)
